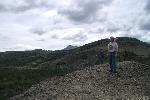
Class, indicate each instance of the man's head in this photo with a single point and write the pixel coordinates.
(112, 39)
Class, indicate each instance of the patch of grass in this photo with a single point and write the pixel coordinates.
(15, 81)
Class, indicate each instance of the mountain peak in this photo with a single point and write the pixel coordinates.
(69, 47)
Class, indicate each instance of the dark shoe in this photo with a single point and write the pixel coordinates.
(114, 71)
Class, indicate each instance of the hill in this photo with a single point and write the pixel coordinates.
(85, 54)
(20, 70)
(95, 83)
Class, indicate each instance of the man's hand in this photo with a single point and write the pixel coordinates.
(116, 54)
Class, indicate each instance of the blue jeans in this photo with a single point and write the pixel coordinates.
(112, 61)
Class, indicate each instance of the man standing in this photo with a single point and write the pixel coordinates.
(112, 49)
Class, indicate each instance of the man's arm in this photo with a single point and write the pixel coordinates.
(116, 48)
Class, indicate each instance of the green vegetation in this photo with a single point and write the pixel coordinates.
(19, 70)
(15, 81)
(28, 58)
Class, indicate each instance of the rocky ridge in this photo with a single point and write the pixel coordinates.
(95, 83)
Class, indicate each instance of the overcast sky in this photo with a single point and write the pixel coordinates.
(54, 24)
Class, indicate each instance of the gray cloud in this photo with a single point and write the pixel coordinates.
(76, 37)
(2, 8)
(112, 26)
(100, 30)
(55, 36)
(147, 7)
(113, 29)
(3, 38)
(84, 11)
(38, 31)
(22, 5)
(145, 26)
(97, 30)
(41, 40)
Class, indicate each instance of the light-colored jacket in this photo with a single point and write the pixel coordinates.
(112, 47)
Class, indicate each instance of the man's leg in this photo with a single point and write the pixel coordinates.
(110, 61)
(114, 62)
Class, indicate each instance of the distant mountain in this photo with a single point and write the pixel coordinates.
(69, 47)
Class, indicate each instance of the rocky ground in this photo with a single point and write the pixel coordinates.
(95, 83)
